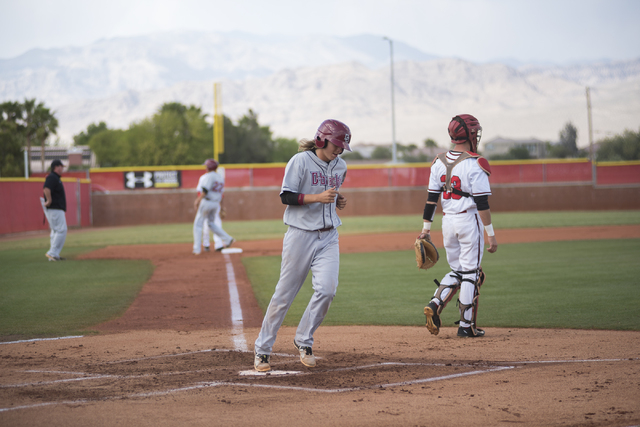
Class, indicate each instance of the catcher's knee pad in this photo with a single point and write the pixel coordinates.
(446, 291)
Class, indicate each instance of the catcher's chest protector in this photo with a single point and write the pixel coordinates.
(443, 158)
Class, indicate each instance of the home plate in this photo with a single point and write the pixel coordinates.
(232, 251)
(255, 373)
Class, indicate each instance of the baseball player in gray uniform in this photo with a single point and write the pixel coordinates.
(206, 239)
(310, 189)
(217, 241)
(461, 176)
(207, 205)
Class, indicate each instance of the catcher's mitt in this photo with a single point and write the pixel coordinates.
(426, 253)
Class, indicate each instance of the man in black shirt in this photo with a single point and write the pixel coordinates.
(55, 206)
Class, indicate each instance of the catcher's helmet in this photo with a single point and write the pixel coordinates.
(465, 128)
(211, 164)
(335, 132)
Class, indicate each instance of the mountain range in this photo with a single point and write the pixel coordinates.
(293, 83)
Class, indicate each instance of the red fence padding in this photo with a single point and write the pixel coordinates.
(268, 177)
(189, 178)
(237, 178)
(410, 176)
(516, 174)
(568, 172)
(20, 208)
(85, 205)
(365, 178)
(72, 204)
(21, 211)
(618, 174)
(109, 181)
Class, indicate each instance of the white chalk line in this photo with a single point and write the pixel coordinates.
(91, 377)
(490, 369)
(237, 330)
(232, 384)
(575, 361)
(42, 339)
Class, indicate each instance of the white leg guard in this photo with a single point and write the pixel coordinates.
(446, 290)
(469, 297)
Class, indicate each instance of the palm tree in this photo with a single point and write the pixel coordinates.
(46, 124)
(39, 124)
(28, 109)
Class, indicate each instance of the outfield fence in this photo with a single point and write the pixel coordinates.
(371, 175)
(20, 209)
(164, 194)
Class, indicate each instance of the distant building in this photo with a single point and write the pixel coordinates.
(499, 146)
(78, 157)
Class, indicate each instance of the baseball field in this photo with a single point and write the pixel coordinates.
(132, 329)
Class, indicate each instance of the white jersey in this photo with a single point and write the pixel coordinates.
(307, 174)
(213, 182)
(467, 176)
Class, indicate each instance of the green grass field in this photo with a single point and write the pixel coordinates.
(578, 285)
(586, 284)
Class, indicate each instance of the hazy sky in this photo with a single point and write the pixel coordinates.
(559, 31)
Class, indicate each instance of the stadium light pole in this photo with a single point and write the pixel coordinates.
(393, 107)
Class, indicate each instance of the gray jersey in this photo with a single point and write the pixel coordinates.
(307, 174)
(213, 182)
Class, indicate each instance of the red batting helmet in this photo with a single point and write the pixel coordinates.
(465, 128)
(335, 132)
(211, 164)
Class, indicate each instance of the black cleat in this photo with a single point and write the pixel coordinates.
(433, 320)
(468, 332)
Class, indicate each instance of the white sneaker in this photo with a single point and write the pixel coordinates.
(261, 362)
(306, 355)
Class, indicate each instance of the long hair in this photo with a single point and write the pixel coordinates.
(306, 145)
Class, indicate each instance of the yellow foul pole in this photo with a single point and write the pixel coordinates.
(218, 121)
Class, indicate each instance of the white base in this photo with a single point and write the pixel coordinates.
(232, 251)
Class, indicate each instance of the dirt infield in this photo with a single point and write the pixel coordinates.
(182, 355)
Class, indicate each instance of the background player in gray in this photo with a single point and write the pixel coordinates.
(218, 244)
(310, 189)
(462, 177)
(207, 205)
(54, 205)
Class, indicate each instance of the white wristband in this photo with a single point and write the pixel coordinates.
(426, 225)
(489, 229)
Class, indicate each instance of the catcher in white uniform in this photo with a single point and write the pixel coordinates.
(207, 206)
(462, 177)
(310, 189)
